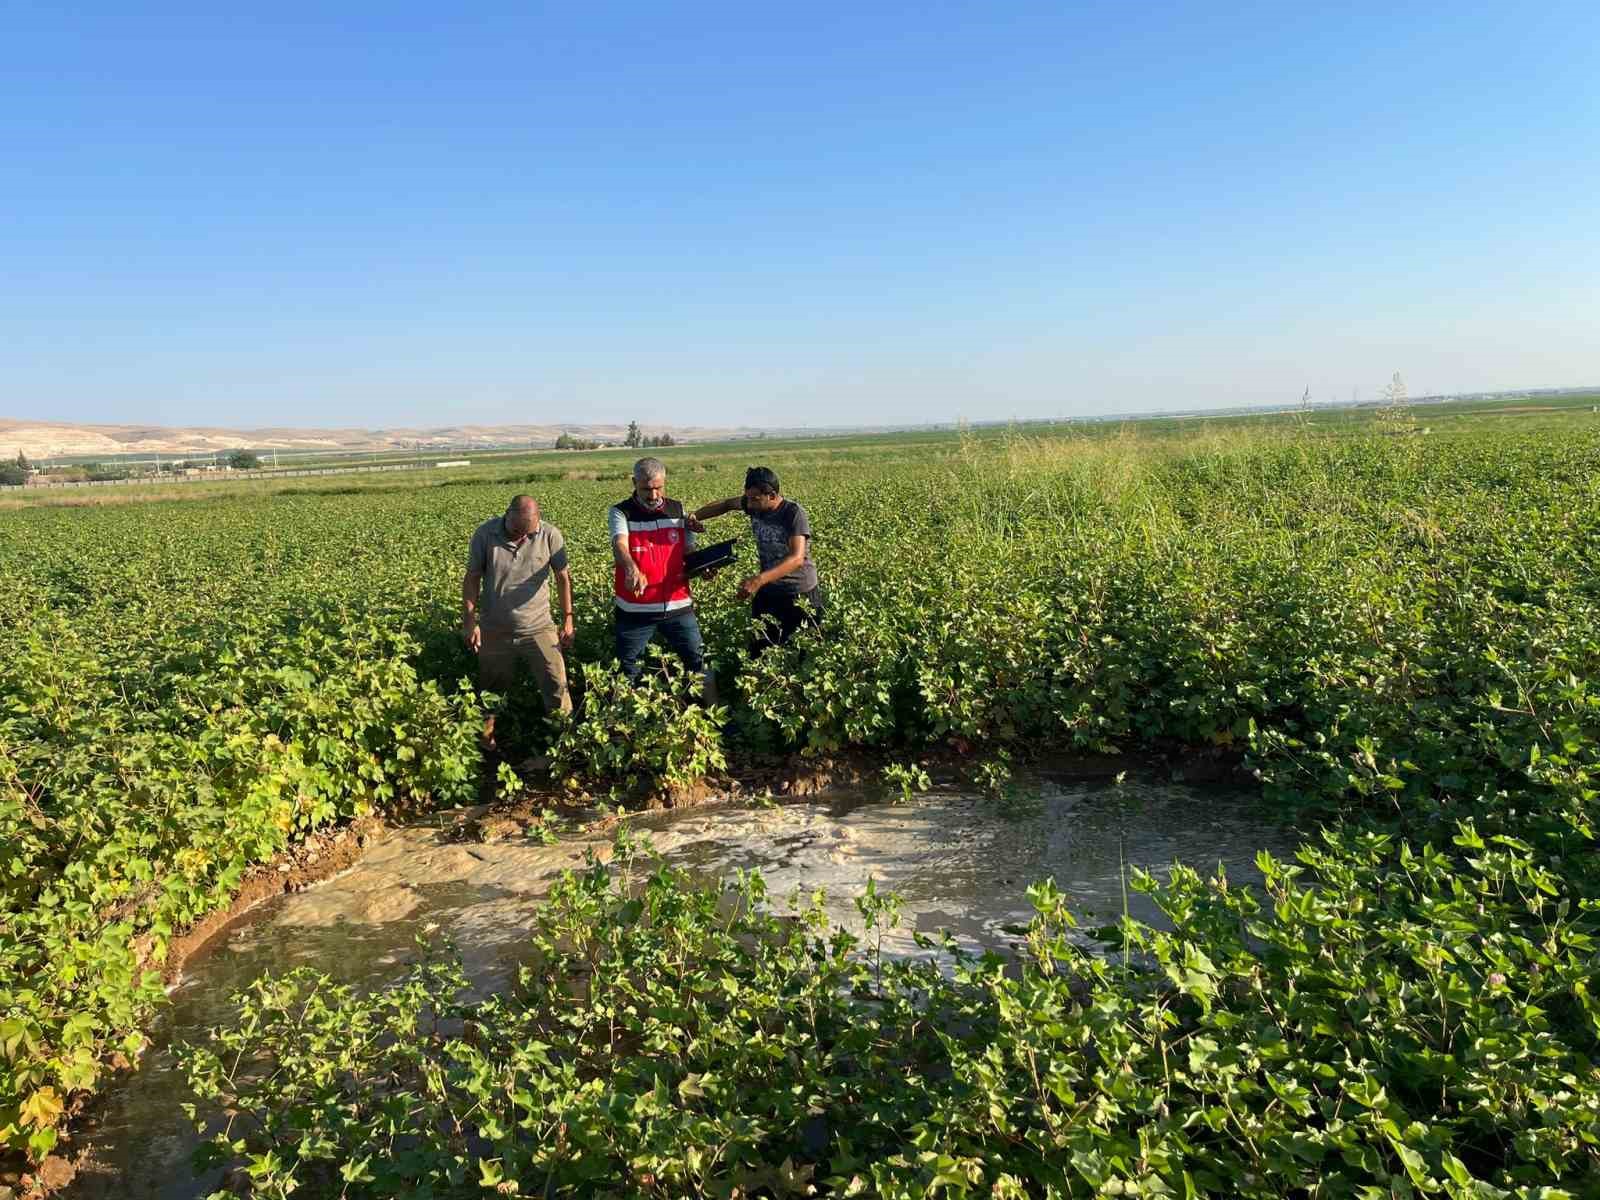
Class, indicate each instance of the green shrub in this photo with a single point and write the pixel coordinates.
(638, 737)
(1404, 634)
(671, 1041)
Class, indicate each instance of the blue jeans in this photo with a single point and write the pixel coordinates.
(679, 629)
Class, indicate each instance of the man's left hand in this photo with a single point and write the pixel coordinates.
(749, 586)
(568, 634)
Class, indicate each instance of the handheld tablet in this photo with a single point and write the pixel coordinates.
(709, 558)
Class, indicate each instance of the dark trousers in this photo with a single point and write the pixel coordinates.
(680, 630)
(776, 615)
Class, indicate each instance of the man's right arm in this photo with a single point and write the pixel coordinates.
(470, 632)
(717, 507)
(632, 576)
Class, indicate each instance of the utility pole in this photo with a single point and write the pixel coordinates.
(1395, 393)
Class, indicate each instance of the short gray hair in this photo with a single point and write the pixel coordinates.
(648, 468)
(521, 501)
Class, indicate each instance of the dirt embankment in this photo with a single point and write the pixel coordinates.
(319, 857)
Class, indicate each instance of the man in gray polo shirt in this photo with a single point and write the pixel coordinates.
(510, 563)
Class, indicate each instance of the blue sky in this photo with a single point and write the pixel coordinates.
(408, 214)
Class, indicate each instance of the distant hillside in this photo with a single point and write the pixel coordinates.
(49, 439)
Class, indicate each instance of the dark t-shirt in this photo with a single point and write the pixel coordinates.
(773, 531)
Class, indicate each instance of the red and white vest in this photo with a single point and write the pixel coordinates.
(658, 540)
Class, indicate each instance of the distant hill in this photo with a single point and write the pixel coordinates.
(54, 439)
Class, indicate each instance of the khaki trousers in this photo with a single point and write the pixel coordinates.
(539, 651)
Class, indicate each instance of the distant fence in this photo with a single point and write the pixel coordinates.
(230, 476)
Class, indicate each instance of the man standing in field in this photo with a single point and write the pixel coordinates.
(784, 594)
(510, 563)
(649, 538)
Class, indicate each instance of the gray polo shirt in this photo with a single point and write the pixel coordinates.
(516, 579)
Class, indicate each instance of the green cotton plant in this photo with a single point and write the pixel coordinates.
(995, 773)
(131, 824)
(821, 694)
(1402, 636)
(507, 783)
(630, 738)
(670, 1038)
(906, 780)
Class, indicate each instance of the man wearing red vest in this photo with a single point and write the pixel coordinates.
(649, 538)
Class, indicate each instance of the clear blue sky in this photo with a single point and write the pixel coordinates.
(402, 214)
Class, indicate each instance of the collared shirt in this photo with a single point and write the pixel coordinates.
(516, 576)
(617, 522)
(657, 539)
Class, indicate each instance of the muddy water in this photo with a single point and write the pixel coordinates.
(958, 862)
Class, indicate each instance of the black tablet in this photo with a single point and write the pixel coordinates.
(709, 558)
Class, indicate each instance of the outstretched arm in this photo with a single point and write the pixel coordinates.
(717, 507)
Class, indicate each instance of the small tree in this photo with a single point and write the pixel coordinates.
(15, 474)
(634, 439)
(243, 460)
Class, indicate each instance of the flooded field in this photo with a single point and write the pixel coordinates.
(959, 862)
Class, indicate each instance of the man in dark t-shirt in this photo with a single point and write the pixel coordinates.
(784, 594)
